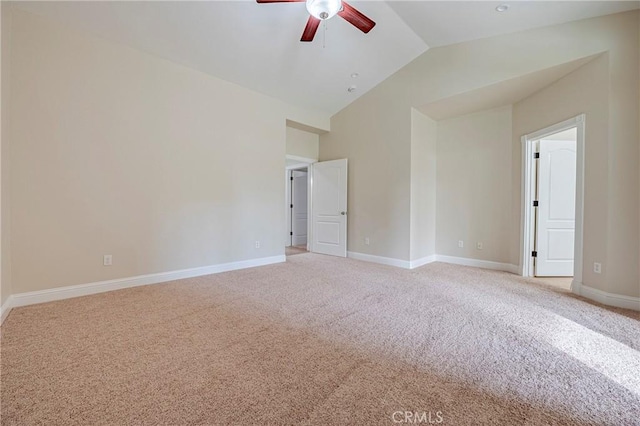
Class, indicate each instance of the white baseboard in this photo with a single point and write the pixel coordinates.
(422, 261)
(5, 309)
(507, 267)
(379, 259)
(50, 295)
(486, 264)
(611, 299)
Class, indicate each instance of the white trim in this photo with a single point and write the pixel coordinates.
(399, 263)
(309, 205)
(527, 227)
(379, 259)
(288, 240)
(5, 309)
(291, 202)
(305, 160)
(580, 164)
(528, 190)
(611, 299)
(310, 235)
(422, 261)
(42, 296)
(297, 166)
(287, 194)
(485, 264)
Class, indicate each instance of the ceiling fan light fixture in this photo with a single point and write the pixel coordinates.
(324, 9)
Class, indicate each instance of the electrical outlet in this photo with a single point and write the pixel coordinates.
(597, 267)
(366, 240)
(460, 243)
(479, 246)
(107, 260)
(257, 244)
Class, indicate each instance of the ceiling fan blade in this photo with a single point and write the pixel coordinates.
(280, 1)
(356, 18)
(310, 30)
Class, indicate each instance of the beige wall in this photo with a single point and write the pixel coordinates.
(119, 152)
(474, 186)
(302, 144)
(424, 134)
(623, 249)
(379, 155)
(98, 126)
(610, 170)
(374, 132)
(5, 252)
(583, 91)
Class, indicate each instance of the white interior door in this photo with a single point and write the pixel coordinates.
(299, 209)
(555, 229)
(329, 207)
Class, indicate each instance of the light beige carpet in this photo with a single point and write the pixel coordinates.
(563, 283)
(321, 340)
(293, 250)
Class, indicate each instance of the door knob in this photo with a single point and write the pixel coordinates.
(343, 213)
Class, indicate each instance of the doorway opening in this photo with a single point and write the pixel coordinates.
(298, 209)
(316, 207)
(297, 204)
(553, 202)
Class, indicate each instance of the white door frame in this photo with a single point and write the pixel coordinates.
(302, 162)
(527, 226)
(295, 205)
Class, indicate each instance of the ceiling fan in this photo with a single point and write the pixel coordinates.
(321, 10)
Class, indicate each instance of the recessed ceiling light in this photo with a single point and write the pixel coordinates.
(351, 89)
(502, 8)
(355, 75)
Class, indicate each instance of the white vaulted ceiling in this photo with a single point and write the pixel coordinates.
(440, 23)
(257, 45)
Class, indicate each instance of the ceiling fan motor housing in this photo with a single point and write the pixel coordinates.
(321, 10)
(324, 9)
